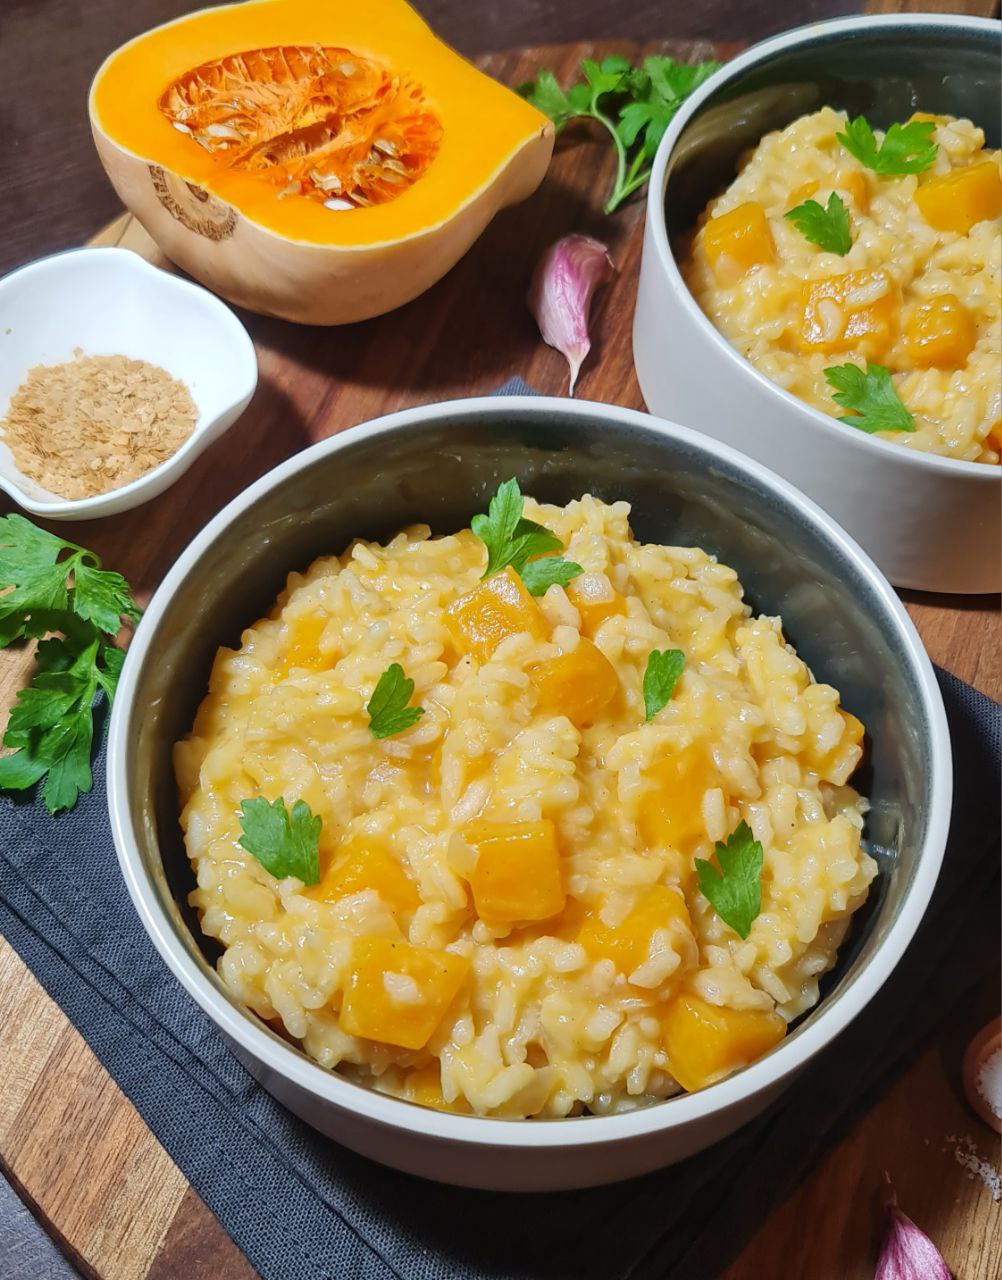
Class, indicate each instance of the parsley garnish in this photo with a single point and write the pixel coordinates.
(906, 148)
(662, 673)
(735, 891)
(871, 396)
(285, 844)
(827, 227)
(635, 105)
(387, 708)
(52, 586)
(513, 540)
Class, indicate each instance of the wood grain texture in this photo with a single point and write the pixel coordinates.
(74, 1143)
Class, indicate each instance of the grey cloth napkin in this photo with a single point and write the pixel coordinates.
(303, 1208)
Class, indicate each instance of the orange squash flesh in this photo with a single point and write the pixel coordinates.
(705, 1042)
(398, 993)
(857, 311)
(517, 877)
(628, 943)
(226, 132)
(496, 608)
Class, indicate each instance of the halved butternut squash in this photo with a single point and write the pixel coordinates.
(320, 162)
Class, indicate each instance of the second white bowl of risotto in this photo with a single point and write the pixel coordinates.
(821, 283)
(514, 777)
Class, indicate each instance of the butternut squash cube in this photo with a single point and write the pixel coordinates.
(628, 943)
(517, 877)
(496, 608)
(424, 1086)
(853, 183)
(304, 646)
(705, 1042)
(940, 333)
(397, 993)
(804, 192)
(672, 812)
(928, 116)
(595, 601)
(857, 311)
(738, 240)
(578, 685)
(955, 201)
(361, 863)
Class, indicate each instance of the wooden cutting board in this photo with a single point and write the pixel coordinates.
(69, 1140)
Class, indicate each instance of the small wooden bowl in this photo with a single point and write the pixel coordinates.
(981, 1048)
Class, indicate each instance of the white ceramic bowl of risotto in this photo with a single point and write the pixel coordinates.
(931, 522)
(439, 465)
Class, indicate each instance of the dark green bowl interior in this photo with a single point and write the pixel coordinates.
(442, 473)
(882, 72)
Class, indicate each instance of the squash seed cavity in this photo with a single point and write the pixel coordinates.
(322, 123)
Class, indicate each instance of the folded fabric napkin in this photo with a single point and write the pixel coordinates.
(303, 1208)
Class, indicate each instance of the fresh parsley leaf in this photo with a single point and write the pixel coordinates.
(387, 708)
(827, 227)
(906, 148)
(510, 539)
(44, 574)
(735, 891)
(871, 396)
(50, 586)
(546, 95)
(285, 844)
(663, 670)
(539, 575)
(633, 104)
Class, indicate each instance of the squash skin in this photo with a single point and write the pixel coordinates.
(313, 279)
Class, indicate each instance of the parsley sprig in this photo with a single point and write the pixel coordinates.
(285, 844)
(634, 104)
(388, 711)
(870, 396)
(513, 540)
(735, 890)
(906, 148)
(826, 227)
(54, 588)
(660, 677)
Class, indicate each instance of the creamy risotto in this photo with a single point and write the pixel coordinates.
(918, 291)
(508, 917)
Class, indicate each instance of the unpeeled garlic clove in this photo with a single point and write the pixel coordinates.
(907, 1252)
(560, 296)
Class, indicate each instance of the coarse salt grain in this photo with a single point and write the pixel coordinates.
(966, 1155)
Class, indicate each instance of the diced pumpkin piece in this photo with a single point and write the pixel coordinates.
(705, 1042)
(496, 608)
(940, 333)
(628, 943)
(304, 646)
(517, 877)
(361, 863)
(398, 993)
(579, 684)
(595, 601)
(738, 240)
(837, 764)
(853, 183)
(928, 117)
(424, 1086)
(857, 311)
(672, 811)
(955, 201)
(804, 192)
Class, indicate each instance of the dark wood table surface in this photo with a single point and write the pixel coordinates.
(53, 194)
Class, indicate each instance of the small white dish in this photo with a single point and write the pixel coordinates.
(112, 302)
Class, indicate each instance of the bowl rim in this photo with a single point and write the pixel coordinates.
(289, 1062)
(657, 229)
(241, 361)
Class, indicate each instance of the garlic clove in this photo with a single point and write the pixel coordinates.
(907, 1252)
(560, 296)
